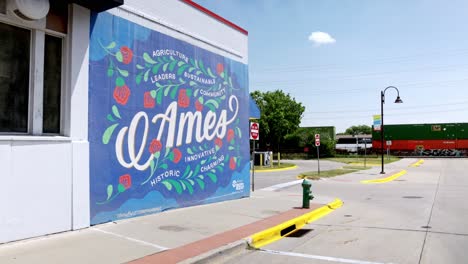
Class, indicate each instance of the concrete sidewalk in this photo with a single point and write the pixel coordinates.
(132, 239)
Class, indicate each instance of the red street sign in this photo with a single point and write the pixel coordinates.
(317, 142)
(317, 136)
(254, 131)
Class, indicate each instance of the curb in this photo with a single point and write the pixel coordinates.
(277, 232)
(221, 254)
(387, 179)
(272, 170)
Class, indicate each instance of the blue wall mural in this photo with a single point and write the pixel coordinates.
(168, 122)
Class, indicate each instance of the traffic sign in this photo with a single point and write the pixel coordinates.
(389, 142)
(317, 136)
(254, 131)
(317, 142)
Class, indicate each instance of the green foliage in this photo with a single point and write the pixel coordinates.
(356, 130)
(304, 137)
(280, 115)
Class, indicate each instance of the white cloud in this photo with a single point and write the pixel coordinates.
(321, 38)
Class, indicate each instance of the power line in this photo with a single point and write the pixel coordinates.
(386, 114)
(375, 109)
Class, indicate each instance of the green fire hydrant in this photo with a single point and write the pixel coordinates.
(306, 194)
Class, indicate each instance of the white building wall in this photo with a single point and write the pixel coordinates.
(44, 180)
(184, 22)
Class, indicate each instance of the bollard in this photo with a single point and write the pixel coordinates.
(306, 194)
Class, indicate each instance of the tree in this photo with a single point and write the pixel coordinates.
(356, 130)
(280, 115)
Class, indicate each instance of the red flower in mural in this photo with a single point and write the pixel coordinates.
(155, 146)
(126, 181)
(219, 68)
(232, 163)
(177, 155)
(148, 100)
(184, 100)
(127, 54)
(121, 94)
(198, 106)
(230, 135)
(218, 142)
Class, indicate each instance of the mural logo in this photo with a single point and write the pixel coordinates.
(166, 118)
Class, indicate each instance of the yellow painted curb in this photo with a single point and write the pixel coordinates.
(387, 179)
(273, 234)
(417, 164)
(282, 169)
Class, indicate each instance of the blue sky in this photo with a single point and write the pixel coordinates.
(419, 46)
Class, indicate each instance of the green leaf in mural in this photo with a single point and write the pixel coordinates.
(115, 111)
(186, 171)
(157, 154)
(119, 81)
(139, 67)
(121, 188)
(148, 59)
(153, 93)
(145, 77)
(159, 99)
(168, 150)
(163, 166)
(190, 188)
(119, 56)
(230, 82)
(197, 170)
(222, 75)
(165, 67)
(176, 185)
(189, 151)
(173, 93)
(110, 190)
(182, 69)
(189, 93)
(201, 184)
(138, 79)
(211, 73)
(191, 69)
(198, 72)
(231, 148)
(202, 67)
(111, 45)
(152, 165)
(239, 133)
(123, 72)
(211, 107)
(172, 65)
(203, 162)
(156, 67)
(192, 83)
(214, 102)
(166, 91)
(158, 85)
(108, 133)
(201, 100)
(110, 118)
(110, 72)
(183, 185)
(212, 177)
(167, 184)
(180, 63)
(196, 92)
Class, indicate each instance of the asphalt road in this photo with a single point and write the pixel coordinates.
(422, 217)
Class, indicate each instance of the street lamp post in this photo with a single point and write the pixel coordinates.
(382, 101)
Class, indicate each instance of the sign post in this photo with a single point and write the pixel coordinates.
(389, 143)
(317, 144)
(254, 135)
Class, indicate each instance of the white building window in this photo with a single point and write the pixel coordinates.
(31, 73)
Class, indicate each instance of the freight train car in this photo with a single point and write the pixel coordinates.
(441, 139)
